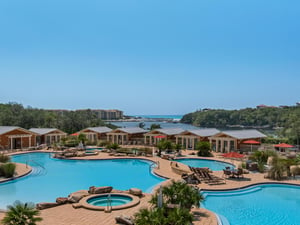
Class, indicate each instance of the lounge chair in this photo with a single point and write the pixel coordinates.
(227, 173)
(238, 173)
(124, 220)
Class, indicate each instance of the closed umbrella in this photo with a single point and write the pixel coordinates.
(160, 198)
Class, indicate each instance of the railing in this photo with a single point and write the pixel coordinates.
(154, 165)
(34, 163)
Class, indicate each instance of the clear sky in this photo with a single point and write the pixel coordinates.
(149, 56)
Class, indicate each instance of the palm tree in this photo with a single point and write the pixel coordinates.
(277, 169)
(164, 145)
(182, 194)
(21, 214)
(154, 217)
(180, 216)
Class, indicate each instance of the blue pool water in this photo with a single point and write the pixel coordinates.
(53, 178)
(270, 204)
(212, 164)
(115, 199)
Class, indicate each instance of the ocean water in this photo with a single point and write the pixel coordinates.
(162, 125)
(176, 117)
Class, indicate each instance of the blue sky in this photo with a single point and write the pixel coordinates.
(149, 56)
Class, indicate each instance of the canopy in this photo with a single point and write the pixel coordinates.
(233, 155)
(75, 134)
(283, 145)
(160, 136)
(252, 142)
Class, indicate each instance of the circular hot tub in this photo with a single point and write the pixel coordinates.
(115, 201)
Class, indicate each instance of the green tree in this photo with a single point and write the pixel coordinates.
(142, 125)
(21, 214)
(82, 138)
(163, 145)
(155, 126)
(181, 196)
(114, 146)
(204, 148)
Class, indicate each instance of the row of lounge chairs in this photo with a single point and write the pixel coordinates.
(203, 175)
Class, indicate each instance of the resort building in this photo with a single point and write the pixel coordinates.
(48, 135)
(12, 137)
(94, 134)
(189, 138)
(127, 136)
(154, 136)
(230, 140)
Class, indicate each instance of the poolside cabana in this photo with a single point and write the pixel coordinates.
(232, 140)
(48, 136)
(127, 136)
(12, 137)
(189, 138)
(95, 134)
(154, 136)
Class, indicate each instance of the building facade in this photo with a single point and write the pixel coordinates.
(12, 137)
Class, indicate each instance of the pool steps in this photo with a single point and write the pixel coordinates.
(232, 193)
(222, 220)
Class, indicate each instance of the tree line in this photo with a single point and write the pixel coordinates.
(14, 114)
(285, 120)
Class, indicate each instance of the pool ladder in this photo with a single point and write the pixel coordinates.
(108, 208)
(153, 165)
(35, 163)
(37, 170)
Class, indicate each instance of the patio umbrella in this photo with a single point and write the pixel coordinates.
(75, 134)
(233, 155)
(251, 142)
(283, 145)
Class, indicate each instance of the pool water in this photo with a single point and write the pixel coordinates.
(115, 200)
(261, 204)
(214, 165)
(52, 178)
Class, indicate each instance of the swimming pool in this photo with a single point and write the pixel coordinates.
(52, 178)
(260, 204)
(212, 164)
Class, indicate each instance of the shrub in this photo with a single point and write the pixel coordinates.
(102, 143)
(8, 169)
(204, 149)
(4, 158)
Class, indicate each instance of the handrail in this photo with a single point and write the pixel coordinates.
(35, 163)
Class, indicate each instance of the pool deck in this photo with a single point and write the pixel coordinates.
(67, 215)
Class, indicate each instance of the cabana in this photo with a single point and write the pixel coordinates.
(154, 136)
(48, 135)
(94, 134)
(189, 138)
(231, 140)
(127, 136)
(12, 137)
